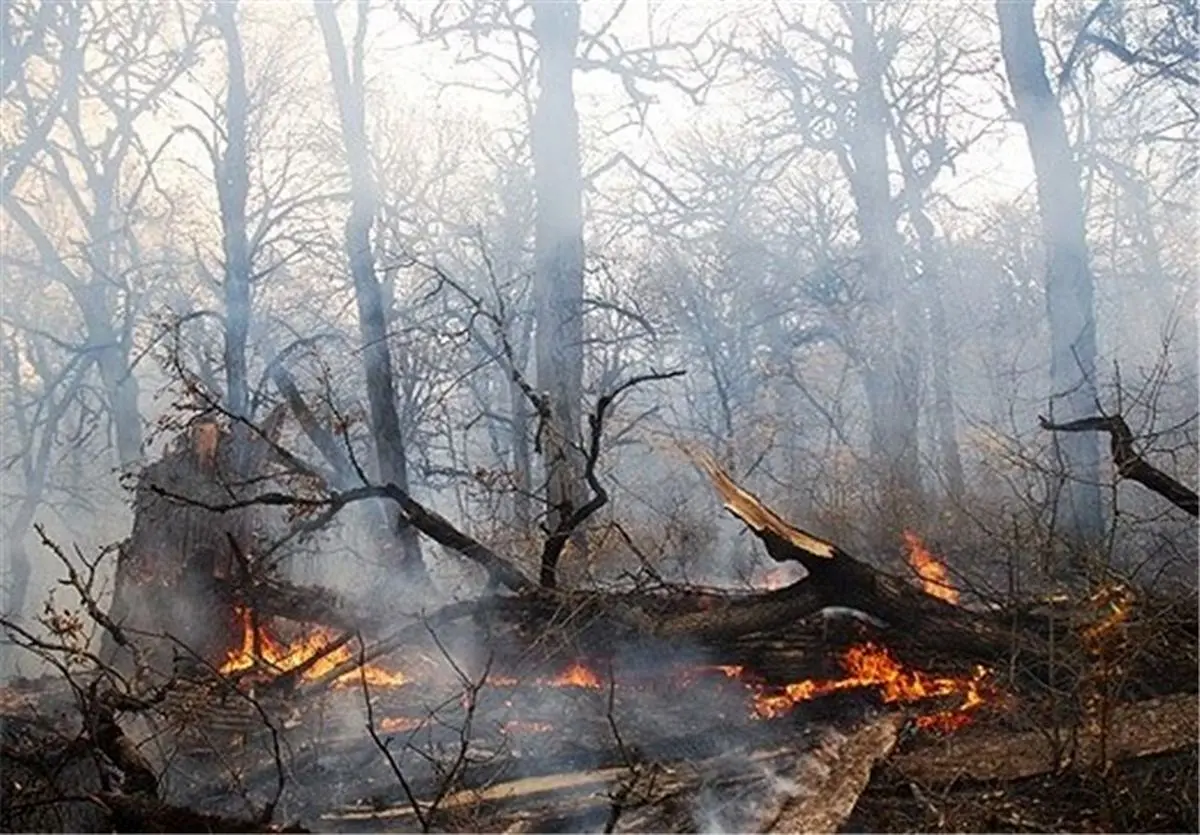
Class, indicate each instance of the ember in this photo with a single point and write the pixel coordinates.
(395, 724)
(934, 578)
(259, 649)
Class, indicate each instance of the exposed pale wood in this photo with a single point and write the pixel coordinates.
(760, 518)
(843, 773)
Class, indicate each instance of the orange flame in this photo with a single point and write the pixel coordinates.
(577, 675)
(869, 665)
(934, 578)
(273, 655)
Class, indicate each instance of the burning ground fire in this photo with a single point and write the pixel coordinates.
(871, 666)
(259, 649)
(867, 666)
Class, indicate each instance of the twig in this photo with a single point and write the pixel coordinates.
(383, 747)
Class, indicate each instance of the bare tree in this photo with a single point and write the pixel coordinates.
(100, 166)
(830, 76)
(1069, 285)
(558, 283)
(348, 76)
(233, 185)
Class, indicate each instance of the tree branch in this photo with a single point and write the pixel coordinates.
(1129, 464)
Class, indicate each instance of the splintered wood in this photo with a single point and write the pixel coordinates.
(844, 771)
(760, 518)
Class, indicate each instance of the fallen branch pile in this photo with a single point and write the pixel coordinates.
(1062, 698)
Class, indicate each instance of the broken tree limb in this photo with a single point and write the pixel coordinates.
(837, 579)
(1129, 464)
(429, 522)
(761, 519)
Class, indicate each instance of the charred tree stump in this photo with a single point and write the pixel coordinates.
(180, 556)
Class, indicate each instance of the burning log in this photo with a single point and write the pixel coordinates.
(921, 624)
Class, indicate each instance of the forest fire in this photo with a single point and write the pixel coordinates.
(934, 578)
(259, 649)
(869, 665)
(866, 665)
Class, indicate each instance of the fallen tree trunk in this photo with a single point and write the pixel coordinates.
(842, 774)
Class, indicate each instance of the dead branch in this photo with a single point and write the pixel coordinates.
(429, 522)
(1129, 464)
(558, 538)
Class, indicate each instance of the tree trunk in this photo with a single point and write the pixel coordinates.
(558, 290)
(943, 394)
(232, 175)
(117, 378)
(1069, 287)
(892, 332)
(233, 183)
(377, 358)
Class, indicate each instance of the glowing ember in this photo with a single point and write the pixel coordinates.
(578, 675)
(395, 724)
(259, 649)
(869, 665)
(934, 578)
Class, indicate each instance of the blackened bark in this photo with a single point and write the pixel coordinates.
(558, 291)
(1069, 287)
(372, 318)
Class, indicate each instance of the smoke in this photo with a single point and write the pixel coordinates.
(748, 802)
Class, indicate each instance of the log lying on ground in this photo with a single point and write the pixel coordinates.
(824, 807)
(1034, 644)
(790, 786)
